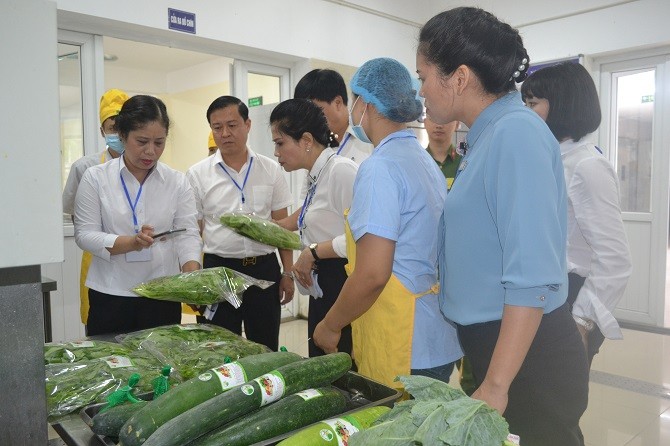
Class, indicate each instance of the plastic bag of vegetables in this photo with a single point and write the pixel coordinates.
(167, 335)
(192, 348)
(82, 350)
(202, 287)
(261, 230)
(190, 359)
(72, 386)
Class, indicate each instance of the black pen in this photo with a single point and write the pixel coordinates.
(171, 231)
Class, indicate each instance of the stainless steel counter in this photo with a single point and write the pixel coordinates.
(74, 432)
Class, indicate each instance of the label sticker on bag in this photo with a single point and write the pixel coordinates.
(82, 344)
(117, 362)
(272, 387)
(189, 327)
(230, 375)
(212, 344)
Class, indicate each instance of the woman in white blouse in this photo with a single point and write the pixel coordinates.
(119, 206)
(304, 141)
(599, 263)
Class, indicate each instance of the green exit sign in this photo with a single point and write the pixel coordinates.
(648, 98)
(255, 102)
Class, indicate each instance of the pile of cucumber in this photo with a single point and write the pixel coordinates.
(251, 400)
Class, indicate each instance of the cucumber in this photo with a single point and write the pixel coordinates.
(292, 412)
(252, 395)
(336, 430)
(109, 421)
(197, 390)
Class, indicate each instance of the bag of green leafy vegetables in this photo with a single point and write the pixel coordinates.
(167, 335)
(190, 359)
(191, 348)
(202, 287)
(72, 386)
(81, 350)
(261, 230)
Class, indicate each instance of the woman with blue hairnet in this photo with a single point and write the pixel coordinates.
(390, 297)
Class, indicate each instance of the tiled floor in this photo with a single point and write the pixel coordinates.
(629, 398)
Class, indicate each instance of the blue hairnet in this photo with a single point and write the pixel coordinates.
(387, 84)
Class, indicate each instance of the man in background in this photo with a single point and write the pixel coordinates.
(441, 148)
(327, 89)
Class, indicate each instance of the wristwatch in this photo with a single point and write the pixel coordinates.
(586, 323)
(312, 248)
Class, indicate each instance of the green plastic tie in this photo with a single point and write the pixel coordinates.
(227, 360)
(161, 384)
(283, 349)
(123, 394)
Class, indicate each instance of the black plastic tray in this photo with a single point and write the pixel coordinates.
(361, 392)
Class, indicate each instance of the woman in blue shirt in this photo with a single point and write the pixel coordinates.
(390, 297)
(503, 262)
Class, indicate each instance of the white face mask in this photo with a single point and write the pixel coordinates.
(358, 129)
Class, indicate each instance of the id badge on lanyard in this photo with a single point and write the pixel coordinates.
(143, 255)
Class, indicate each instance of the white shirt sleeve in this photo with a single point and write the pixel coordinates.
(73, 179)
(195, 189)
(594, 192)
(340, 246)
(188, 246)
(88, 232)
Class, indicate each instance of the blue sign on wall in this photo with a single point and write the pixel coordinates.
(181, 20)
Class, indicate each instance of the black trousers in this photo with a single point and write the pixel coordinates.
(550, 393)
(595, 338)
(110, 314)
(331, 279)
(260, 310)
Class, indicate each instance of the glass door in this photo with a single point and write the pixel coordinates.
(78, 99)
(262, 87)
(636, 140)
(71, 122)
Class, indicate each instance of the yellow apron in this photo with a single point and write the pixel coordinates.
(86, 258)
(382, 336)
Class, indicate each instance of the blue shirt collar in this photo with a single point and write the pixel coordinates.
(405, 133)
(491, 113)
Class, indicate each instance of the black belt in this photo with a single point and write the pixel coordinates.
(249, 261)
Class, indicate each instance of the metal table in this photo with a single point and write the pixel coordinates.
(74, 432)
(48, 285)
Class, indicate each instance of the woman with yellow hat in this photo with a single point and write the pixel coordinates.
(110, 105)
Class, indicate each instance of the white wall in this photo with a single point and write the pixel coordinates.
(293, 28)
(638, 24)
(289, 30)
(31, 231)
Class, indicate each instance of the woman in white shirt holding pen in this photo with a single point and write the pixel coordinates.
(303, 140)
(119, 206)
(599, 262)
